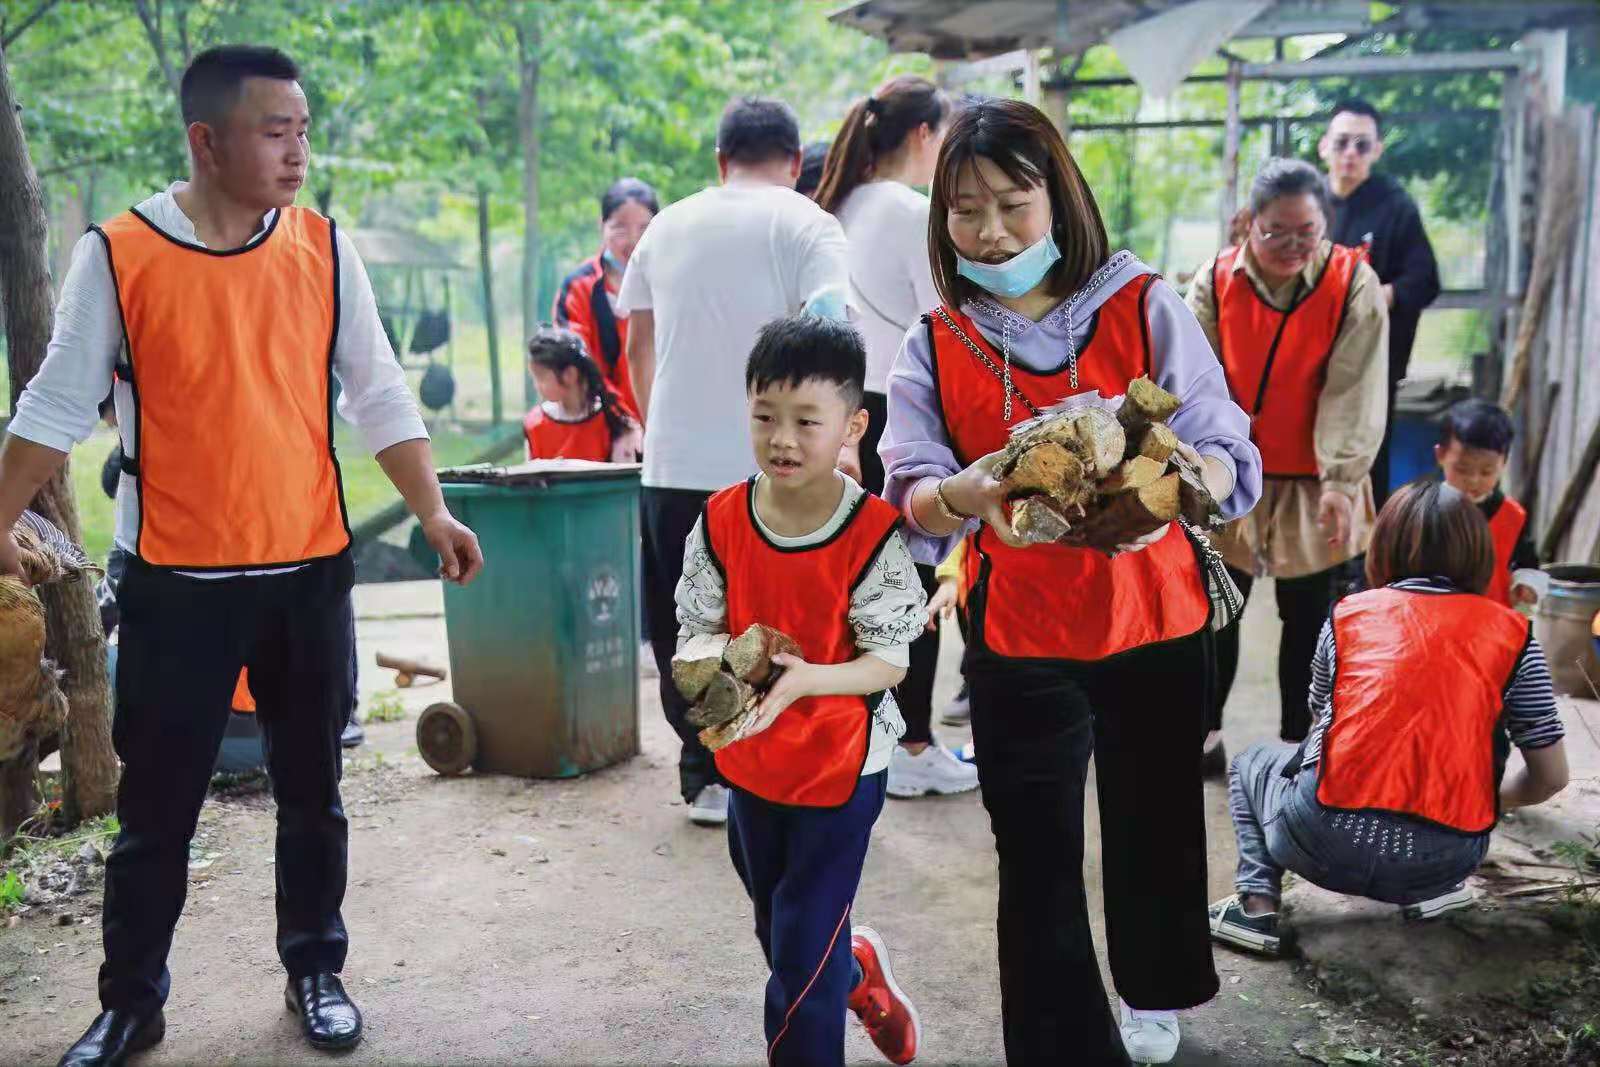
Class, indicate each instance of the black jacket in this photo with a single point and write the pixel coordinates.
(1381, 212)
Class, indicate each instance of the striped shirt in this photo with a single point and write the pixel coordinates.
(1531, 719)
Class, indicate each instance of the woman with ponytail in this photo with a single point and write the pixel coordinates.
(578, 416)
(888, 144)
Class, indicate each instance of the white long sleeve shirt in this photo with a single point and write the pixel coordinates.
(60, 406)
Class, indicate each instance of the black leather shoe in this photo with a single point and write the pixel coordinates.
(329, 1018)
(113, 1037)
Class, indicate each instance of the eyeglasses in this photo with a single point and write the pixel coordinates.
(1362, 145)
(1304, 237)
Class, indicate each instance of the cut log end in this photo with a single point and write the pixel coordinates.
(749, 656)
(696, 663)
(1145, 403)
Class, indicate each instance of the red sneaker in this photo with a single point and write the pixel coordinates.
(883, 1008)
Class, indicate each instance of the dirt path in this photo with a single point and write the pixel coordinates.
(498, 920)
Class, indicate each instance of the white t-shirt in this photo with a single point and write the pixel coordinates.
(891, 280)
(715, 267)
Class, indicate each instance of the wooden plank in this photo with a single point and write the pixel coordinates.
(1582, 389)
(1230, 159)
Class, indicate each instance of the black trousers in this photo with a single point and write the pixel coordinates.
(1035, 724)
(914, 694)
(1303, 605)
(669, 516)
(181, 646)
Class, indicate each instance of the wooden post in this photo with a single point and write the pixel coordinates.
(1230, 155)
(490, 320)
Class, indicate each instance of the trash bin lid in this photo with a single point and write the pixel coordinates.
(539, 472)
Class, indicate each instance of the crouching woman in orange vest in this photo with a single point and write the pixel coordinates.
(1303, 332)
(1419, 687)
(1072, 651)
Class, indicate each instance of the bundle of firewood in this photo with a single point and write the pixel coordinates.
(1088, 476)
(31, 701)
(724, 678)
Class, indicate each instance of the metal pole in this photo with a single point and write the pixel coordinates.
(1230, 156)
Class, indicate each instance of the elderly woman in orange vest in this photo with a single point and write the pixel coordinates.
(587, 302)
(1420, 685)
(1302, 330)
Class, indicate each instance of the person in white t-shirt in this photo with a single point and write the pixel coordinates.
(890, 142)
(711, 270)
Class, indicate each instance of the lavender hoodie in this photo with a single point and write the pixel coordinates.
(915, 446)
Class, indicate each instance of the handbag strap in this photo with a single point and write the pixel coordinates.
(985, 359)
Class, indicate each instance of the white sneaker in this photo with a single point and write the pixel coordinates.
(1149, 1036)
(959, 711)
(933, 770)
(710, 806)
(1459, 897)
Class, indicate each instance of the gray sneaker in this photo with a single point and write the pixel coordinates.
(710, 806)
(959, 711)
(1459, 897)
(1253, 933)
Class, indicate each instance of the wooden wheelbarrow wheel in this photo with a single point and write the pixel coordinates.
(446, 738)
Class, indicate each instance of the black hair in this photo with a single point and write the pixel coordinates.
(557, 348)
(1478, 424)
(876, 126)
(625, 189)
(802, 348)
(1288, 177)
(211, 83)
(757, 130)
(812, 159)
(1357, 106)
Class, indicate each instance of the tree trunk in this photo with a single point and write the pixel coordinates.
(486, 270)
(75, 640)
(528, 45)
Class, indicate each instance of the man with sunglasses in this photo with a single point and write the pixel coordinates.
(1371, 209)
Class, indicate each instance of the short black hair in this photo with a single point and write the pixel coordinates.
(211, 83)
(625, 189)
(1288, 177)
(1478, 424)
(1356, 106)
(812, 159)
(801, 348)
(757, 130)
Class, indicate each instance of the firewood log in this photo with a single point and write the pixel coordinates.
(749, 656)
(1145, 403)
(1048, 469)
(1157, 442)
(1123, 517)
(1194, 499)
(726, 697)
(1037, 521)
(1135, 473)
(697, 662)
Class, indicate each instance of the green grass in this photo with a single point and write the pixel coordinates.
(10, 892)
(366, 488)
(386, 707)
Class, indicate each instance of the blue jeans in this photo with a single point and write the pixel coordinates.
(1281, 826)
(801, 867)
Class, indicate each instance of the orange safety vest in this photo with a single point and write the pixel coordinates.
(243, 701)
(583, 307)
(812, 755)
(1418, 690)
(1289, 350)
(1055, 601)
(1504, 529)
(230, 359)
(549, 438)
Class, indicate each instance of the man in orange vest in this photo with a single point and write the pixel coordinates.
(224, 312)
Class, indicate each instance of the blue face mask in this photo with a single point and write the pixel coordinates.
(1016, 275)
(610, 259)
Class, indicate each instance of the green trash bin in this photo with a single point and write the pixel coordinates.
(544, 645)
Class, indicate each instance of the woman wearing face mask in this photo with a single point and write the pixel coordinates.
(1302, 329)
(587, 301)
(1072, 651)
(889, 143)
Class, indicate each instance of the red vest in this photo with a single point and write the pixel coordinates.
(1276, 361)
(230, 354)
(1055, 601)
(1419, 680)
(813, 754)
(583, 307)
(550, 438)
(1504, 529)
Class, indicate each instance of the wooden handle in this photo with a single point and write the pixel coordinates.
(412, 667)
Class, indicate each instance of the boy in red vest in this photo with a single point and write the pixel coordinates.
(1473, 445)
(804, 549)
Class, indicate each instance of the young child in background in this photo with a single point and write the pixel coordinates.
(578, 416)
(1473, 445)
(801, 547)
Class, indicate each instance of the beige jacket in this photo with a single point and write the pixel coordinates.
(1281, 536)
